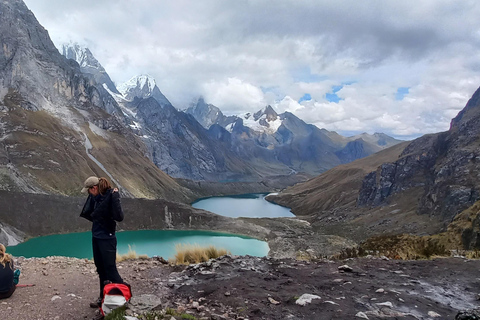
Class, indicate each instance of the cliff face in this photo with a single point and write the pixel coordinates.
(34, 215)
(417, 189)
(443, 167)
(59, 126)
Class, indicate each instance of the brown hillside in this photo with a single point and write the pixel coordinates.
(336, 187)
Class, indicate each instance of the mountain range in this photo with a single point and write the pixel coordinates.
(427, 186)
(69, 101)
(63, 119)
(248, 147)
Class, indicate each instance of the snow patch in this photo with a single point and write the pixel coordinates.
(117, 97)
(88, 147)
(136, 126)
(137, 82)
(97, 130)
(257, 126)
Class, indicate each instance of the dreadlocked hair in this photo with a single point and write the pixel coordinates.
(4, 257)
(103, 185)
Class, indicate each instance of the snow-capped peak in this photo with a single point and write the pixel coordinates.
(142, 82)
(141, 86)
(265, 120)
(81, 54)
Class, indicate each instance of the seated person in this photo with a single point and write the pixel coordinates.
(7, 284)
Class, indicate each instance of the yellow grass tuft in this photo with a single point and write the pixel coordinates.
(130, 255)
(187, 253)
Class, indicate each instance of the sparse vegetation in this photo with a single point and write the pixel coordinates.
(130, 255)
(405, 247)
(117, 314)
(353, 252)
(187, 254)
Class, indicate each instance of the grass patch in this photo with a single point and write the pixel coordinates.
(402, 247)
(406, 247)
(187, 254)
(130, 255)
(165, 314)
(117, 314)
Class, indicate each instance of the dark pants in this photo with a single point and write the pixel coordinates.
(4, 295)
(104, 256)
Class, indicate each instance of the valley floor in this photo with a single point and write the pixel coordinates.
(255, 288)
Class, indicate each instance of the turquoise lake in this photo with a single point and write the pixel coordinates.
(251, 205)
(162, 242)
(150, 242)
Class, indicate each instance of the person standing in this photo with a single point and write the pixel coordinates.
(104, 209)
(7, 283)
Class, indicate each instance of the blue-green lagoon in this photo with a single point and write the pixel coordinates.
(252, 205)
(143, 242)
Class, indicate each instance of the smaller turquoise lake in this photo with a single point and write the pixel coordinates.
(149, 242)
(251, 205)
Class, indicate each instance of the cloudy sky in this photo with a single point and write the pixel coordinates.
(405, 67)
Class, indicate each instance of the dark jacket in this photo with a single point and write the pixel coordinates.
(6, 277)
(103, 211)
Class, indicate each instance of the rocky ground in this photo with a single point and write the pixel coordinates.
(255, 288)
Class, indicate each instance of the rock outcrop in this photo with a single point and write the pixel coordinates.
(59, 126)
(418, 187)
(234, 287)
(443, 168)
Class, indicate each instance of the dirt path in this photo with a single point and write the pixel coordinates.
(256, 288)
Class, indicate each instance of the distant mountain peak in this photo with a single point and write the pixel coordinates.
(269, 113)
(88, 63)
(81, 54)
(144, 83)
(142, 86)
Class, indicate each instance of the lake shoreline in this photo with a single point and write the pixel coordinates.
(250, 205)
(38, 215)
(151, 243)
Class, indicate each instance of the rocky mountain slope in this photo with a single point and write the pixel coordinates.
(417, 188)
(287, 139)
(58, 125)
(247, 148)
(254, 288)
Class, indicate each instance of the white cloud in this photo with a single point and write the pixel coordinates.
(234, 95)
(241, 55)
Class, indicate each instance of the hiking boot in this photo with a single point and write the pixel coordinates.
(98, 316)
(96, 304)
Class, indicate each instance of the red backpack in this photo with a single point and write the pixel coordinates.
(115, 295)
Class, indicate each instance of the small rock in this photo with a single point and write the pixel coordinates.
(433, 314)
(227, 293)
(361, 315)
(55, 298)
(345, 268)
(306, 298)
(380, 290)
(273, 301)
(385, 304)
